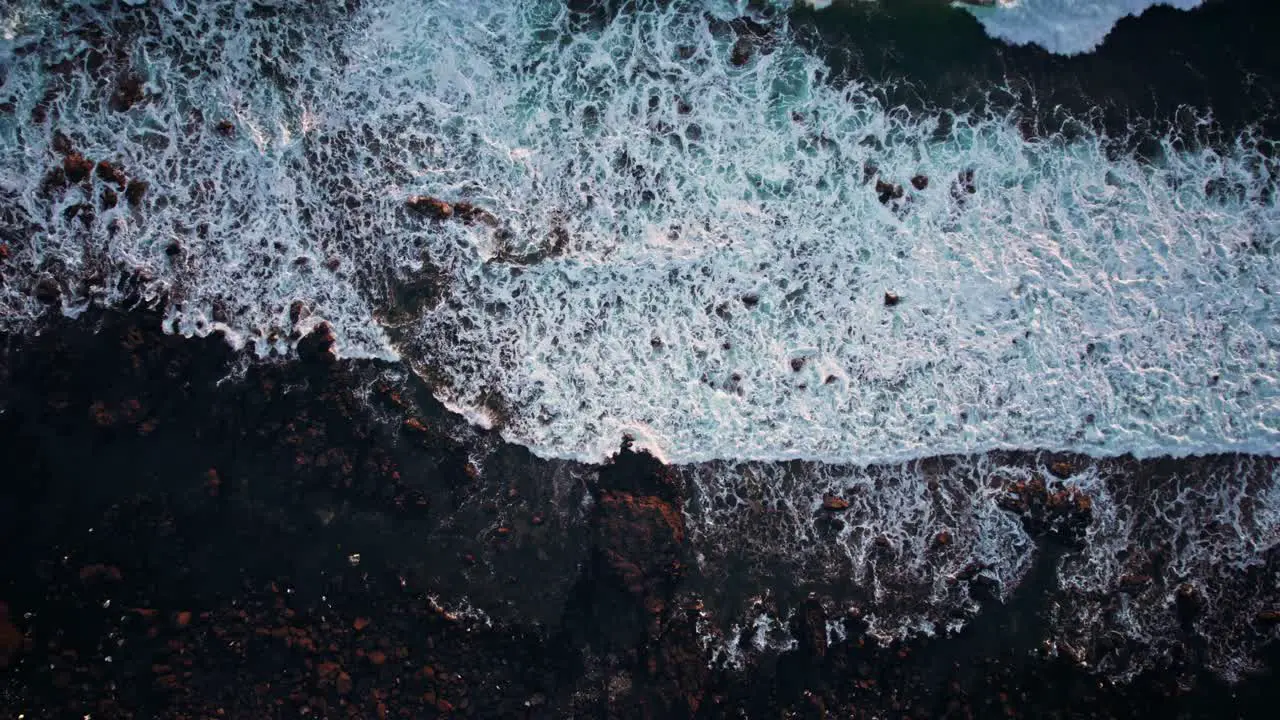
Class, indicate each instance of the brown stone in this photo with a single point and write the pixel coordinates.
(920, 182)
(182, 619)
(431, 207)
(112, 174)
(100, 572)
(834, 504)
(127, 94)
(134, 192)
(360, 623)
(1062, 469)
(10, 638)
(77, 167)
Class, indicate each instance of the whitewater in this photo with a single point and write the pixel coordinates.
(690, 234)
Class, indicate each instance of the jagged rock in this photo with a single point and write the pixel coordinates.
(10, 638)
(470, 213)
(1053, 510)
(134, 192)
(110, 173)
(888, 191)
(431, 207)
(61, 144)
(128, 93)
(834, 504)
(77, 167)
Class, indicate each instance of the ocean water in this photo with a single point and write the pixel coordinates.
(693, 234)
(683, 249)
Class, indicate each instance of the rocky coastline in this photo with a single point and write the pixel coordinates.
(189, 535)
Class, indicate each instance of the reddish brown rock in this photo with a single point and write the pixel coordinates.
(888, 191)
(100, 572)
(77, 167)
(128, 93)
(134, 192)
(834, 504)
(1053, 509)
(1063, 470)
(112, 174)
(10, 638)
(431, 207)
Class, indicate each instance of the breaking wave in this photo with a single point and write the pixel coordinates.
(681, 231)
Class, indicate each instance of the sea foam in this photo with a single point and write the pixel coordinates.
(686, 249)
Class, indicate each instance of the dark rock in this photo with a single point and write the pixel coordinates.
(84, 211)
(48, 291)
(810, 628)
(55, 180)
(888, 191)
(891, 299)
(225, 128)
(741, 53)
(1063, 513)
(77, 167)
(797, 364)
(109, 198)
(834, 504)
(128, 93)
(134, 192)
(110, 173)
(750, 300)
(10, 638)
(61, 144)
(964, 185)
(1268, 617)
(431, 207)
(920, 182)
(470, 213)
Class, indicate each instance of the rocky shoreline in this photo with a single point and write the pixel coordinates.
(189, 535)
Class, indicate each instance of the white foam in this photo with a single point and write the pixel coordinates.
(714, 236)
(909, 537)
(642, 323)
(1066, 27)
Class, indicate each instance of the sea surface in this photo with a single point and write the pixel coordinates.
(795, 252)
